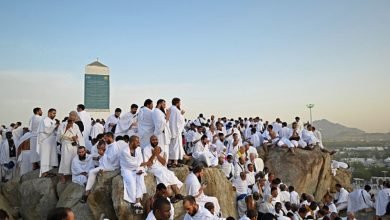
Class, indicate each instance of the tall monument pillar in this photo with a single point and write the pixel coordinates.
(97, 89)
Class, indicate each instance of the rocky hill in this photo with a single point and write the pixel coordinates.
(30, 197)
(334, 132)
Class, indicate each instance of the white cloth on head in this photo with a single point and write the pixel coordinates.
(124, 123)
(134, 184)
(111, 121)
(161, 128)
(85, 117)
(176, 126)
(68, 151)
(47, 145)
(193, 186)
(145, 125)
(358, 200)
(160, 171)
(81, 166)
(382, 199)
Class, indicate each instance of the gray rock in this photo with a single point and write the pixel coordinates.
(38, 198)
(70, 198)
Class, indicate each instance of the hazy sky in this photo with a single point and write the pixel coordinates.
(230, 58)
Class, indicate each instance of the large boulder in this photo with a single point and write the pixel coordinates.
(99, 200)
(307, 170)
(38, 197)
(10, 191)
(343, 177)
(218, 186)
(6, 207)
(70, 198)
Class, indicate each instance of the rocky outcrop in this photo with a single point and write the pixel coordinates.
(308, 171)
(40, 195)
(31, 197)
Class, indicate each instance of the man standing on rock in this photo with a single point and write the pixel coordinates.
(176, 126)
(33, 127)
(47, 145)
(145, 123)
(70, 137)
(161, 126)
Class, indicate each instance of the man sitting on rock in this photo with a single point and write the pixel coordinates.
(157, 160)
(161, 210)
(81, 165)
(195, 211)
(341, 198)
(132, 171)
(109, 162)
(195, 188)
(161, 192)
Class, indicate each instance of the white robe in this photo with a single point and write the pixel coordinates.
(68, 151)
(96, 129)
(86, 119)
(110, 159)
(228, 169)
(79, 167)
(193, 186)
(145, 126)
(112, 119)
(134, 184)
(161, 172)
(47, 145)
(358, 200)
(202, 153)
(176, 125)
(382, 199)
(294, 197)
(342, 199)
(285, 134)
(161, 128)
(124, 123)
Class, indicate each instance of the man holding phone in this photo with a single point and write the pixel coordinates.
(195, 188)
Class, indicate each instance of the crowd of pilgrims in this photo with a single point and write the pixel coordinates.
(157, 139)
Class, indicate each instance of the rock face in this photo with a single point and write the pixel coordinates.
(308, 171)
(39, 197)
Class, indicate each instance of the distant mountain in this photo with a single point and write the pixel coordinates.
(336, 132)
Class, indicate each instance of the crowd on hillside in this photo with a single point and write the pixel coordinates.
(157, 139)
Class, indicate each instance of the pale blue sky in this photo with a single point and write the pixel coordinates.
(268, 57)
